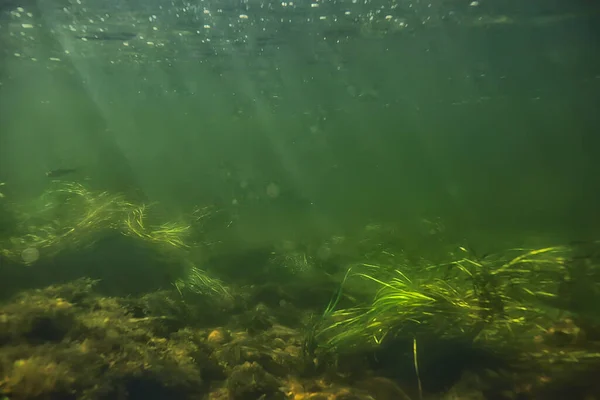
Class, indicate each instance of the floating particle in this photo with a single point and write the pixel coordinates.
(30, 255)
(273, 190)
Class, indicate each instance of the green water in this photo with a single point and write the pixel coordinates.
(483, 117)
(325, 190)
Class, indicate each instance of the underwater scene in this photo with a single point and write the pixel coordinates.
(299, 200)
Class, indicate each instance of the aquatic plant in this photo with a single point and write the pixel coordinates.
(198, 282)
(498, 302)
(71, 216)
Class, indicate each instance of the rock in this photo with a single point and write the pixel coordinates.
(250, 381)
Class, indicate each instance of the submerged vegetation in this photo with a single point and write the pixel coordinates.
(509, 306)
(70, 216)
(527, 318)
(488, 301)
